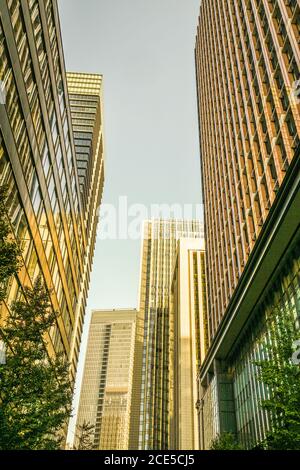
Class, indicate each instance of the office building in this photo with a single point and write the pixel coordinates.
(152, 395)
(189, 318)
(86, 104)
(105, 398)
(247, 66)
(38, 162)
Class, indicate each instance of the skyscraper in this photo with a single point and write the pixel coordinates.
(247, 65)
(189, 318)
(105, 398)
(85, 92)
(86, 103)
(150, 415)
(38, 163)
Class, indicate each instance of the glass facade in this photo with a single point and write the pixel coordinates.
(85, 94)
(208, 411)
(105, 398)
(151, 400)
(283, 299)
(231, 395)
(38, 163)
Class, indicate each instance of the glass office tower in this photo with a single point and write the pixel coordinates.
(38, 163)
(86, 104)
(105, 398)
(152, 397)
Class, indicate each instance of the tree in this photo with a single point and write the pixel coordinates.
(85, 436)
(226, 441)
(10, 260)
(281, 377)
(35, 390)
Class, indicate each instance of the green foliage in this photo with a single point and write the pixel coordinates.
(282, 380)
(35, 390)
(85, 436)
(226, 441)
(10, 261)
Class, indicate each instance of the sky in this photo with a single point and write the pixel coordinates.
(145, 51)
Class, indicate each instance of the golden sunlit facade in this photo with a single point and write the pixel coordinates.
(189, 318)
(248, 67)
(151, 406)
(38, 163)
(105, 399)
(248, 83)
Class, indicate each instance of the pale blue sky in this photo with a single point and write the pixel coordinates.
(145, 50)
